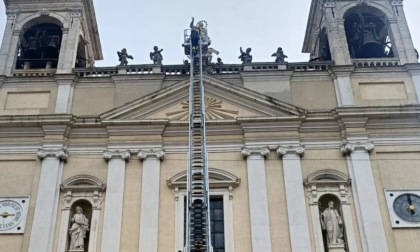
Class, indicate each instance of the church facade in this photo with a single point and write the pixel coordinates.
(319, 156)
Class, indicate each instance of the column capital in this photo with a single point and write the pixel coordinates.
(61, 154)
(247, 152)
(12, 14)
(347, 147)
(298, 150)
(112, 154)
(397, 2)
(155, 154)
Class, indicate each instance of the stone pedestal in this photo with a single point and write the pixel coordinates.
(336, 248)
(76, 250)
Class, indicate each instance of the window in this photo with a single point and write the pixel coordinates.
(221, 189)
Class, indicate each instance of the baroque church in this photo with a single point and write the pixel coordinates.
(318, 156)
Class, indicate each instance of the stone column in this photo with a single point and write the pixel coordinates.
(365, 196)
(258, 202)
(114, 198)
(42, 232)
(149, 212)
(295, 198)
(8, 51)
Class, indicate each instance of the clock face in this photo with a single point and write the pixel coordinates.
(11, 215)
(407, 207)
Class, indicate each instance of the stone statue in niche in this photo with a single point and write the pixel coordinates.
(156, 56)
(246, 56)
(78, 229)
(123, 57)
(280, 56)
(331, 222)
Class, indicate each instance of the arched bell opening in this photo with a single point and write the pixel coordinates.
(40, 43)
(368, 33)
(79, 234)
(81, 58)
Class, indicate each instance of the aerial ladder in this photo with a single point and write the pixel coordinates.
(198, 233)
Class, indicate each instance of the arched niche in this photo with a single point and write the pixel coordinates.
(39, 43)
(221, 184)
(322, 51)
(330, 185)
(87, 192)
(323, 204)
(368, 33)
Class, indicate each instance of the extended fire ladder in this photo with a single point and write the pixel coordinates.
(197, 235)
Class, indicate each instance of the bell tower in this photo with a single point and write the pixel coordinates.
(54, 36)
(351, 31)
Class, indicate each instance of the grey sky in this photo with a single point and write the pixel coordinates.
(262, 25)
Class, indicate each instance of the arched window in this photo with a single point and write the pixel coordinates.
(82, 198)
(367, 30)
(221, 184)
(40, 43)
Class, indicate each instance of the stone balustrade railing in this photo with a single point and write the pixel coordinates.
(376, 62)
(33, 72)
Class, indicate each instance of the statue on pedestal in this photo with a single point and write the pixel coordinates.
(156, 56)
(123, 57)
(78, 230)
(245, 57)
(331, 222)
(280, 56)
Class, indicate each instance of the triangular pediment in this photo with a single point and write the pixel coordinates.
(223, 101)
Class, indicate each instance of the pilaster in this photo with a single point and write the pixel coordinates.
(43, 226)
(68, 50)
(9, 45)
(258, 201)
(365, 195)
(114, 199)
(149, 211)
(64, 93)
(343, 87)
(414, 70)
(295, 197)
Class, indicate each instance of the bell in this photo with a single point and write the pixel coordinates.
(371, 47)
(32, 50)
(51, 50)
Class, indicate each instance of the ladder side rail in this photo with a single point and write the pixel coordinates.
(205, 154)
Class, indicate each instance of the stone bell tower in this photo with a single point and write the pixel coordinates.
(53, 36)
(351, 31)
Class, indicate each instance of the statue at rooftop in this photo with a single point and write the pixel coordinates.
(219, 61)
(245, 57)
(280, 56)
(123, 57)
(156, 56)
(208, 56)
(199, 30)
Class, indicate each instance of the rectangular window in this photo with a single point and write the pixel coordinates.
(217, 223)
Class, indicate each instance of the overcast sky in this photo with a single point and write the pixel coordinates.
(262, 25)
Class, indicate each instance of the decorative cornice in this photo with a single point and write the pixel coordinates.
(297, 150)
(112, 154)
(155, 154)
(12, 14)
(246, 152)
(61, 154)
(347, 147)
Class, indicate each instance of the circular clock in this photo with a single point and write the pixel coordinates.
(407, 207)
(11, 214)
